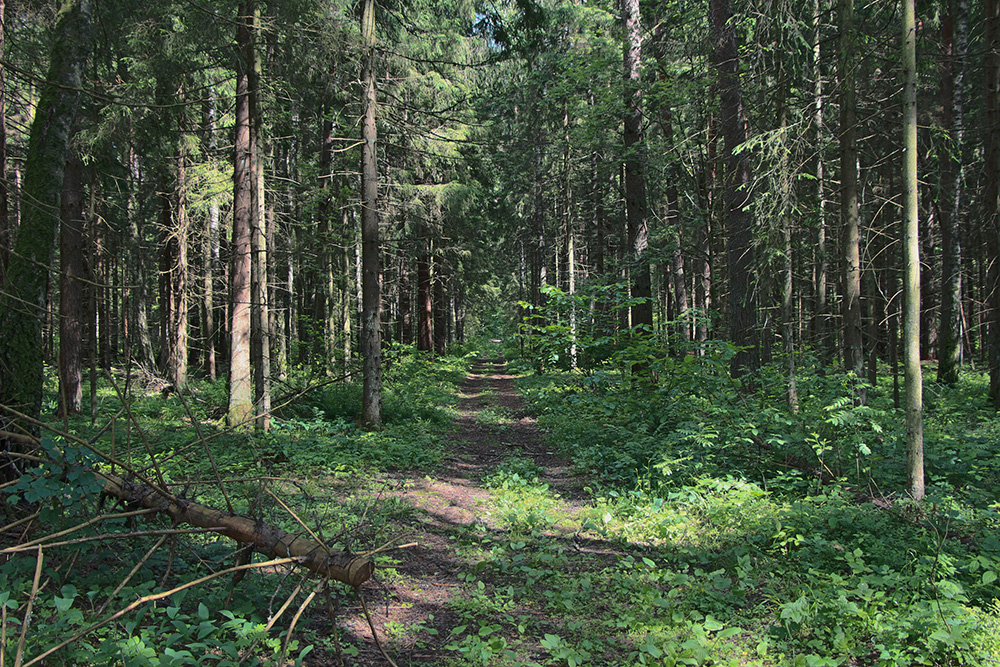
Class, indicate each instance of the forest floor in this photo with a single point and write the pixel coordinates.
(415, 605)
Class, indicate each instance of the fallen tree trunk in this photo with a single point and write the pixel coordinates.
(338, 565)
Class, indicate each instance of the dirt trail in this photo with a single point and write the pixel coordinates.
(452, 504)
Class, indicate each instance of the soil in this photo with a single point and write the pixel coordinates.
(448, 503)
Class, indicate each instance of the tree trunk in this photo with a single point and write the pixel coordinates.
(23, 301)
(928, 277)
(440, 307)
(72, 290)
(955, 40)
(178, 268)
(240, 384)
(140, 341)
(636, 212)
(911, 274)
(703, 242)
(346, 314)
(210, 247)
(7, 230)
(371, 260)
(849, 214)
(671, 218)
(338, 565)
(821, 324)
(405, 302)
(785, 189)
(323, 311)
(739, 222)
(425, 307)
(992, 200)
(260, 311)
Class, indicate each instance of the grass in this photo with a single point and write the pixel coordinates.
(709, 536)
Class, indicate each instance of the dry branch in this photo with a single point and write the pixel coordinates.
(338, 565)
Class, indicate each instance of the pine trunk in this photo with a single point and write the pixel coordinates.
(739, 223)
(955, 41)
(240, 382)
(371, 260)
(636, 212)
(849, 213)
(992, 199)
(72, 290)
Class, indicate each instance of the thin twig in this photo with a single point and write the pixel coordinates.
(112, 536)
(388, 547)
(368, 617)
(295, 619)
(3, 632)
(299, 521)
(124, 582)
(81, 526)
(69, 437)
(332, 612)
(208, 450)
(101, 431)
(270, 624)
(138, 428)
(152, 598)
(12, 526)
(26, 623)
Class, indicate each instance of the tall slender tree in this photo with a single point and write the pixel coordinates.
(955, 44)
(371, 259)
(23, 301)
(636, 207)
(911, 273)
(738, 217)
(240, 382)
(992, 193)
(850, 217)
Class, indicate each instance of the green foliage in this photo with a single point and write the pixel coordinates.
(816, 561)
(58, 484)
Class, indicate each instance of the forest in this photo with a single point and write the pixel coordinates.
(500, 332)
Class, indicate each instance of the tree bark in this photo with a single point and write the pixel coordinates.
(240, 384)
(23, 301)
(911, 274)
(140, 341)
(440, 306)
(371, 260)
(739, 222)
(177, 253)
(338, 565)
(425, 305)
(7, 230)
(636, 212)
(260, 341)
(72, 290)
(821, 324)
(346, 313)
(787, 265)
(955, 40)
(849, 214)
(992, 199)
(210, 247)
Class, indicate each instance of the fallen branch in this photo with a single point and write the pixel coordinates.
(337, 565)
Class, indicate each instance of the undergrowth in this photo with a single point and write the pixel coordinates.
(316, 471)
(788, 529)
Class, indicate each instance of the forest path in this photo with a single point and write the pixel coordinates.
(454, 517)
